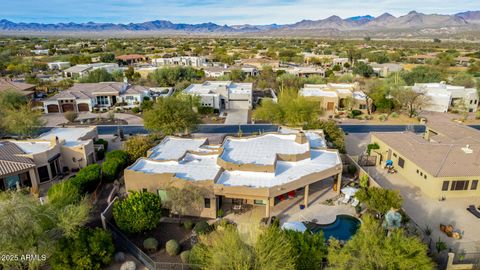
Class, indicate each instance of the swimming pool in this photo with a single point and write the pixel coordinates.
(343, 228)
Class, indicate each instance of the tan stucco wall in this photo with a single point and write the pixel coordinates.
(137, 181)
(432, 186)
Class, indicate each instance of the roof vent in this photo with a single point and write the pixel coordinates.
(467, 149)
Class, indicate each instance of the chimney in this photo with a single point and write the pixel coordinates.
(54, 140)
(301, 138)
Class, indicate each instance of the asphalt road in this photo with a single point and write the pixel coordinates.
(257, 128)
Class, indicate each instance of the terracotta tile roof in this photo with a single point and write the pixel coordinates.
(11, 159)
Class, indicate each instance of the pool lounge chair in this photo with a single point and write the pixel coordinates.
(472, 209)
(355, 202)
(346, 199)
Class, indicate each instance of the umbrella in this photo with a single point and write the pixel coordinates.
(349, 191)
(294, 226)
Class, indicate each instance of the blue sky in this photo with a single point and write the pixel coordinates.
(217, 11)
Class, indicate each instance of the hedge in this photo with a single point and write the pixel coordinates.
(88, 178)
(115, 162)
(140, 211)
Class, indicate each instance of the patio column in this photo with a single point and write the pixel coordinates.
(339, 182)
(267, 208)
(305, 195)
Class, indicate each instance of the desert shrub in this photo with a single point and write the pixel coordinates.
(202, 227)
(372, 146)
(89, 249)
(394, 115)
(88, 178)
(188, 224)
(150, 244)
(135, 110)
(383, 117)
(140, 211)
(205, 110)
(137, 146)
(351, 169)
(184, 256)
(477, 115)
(70, 116)
(333, 133)
(172, 247)
(356, 113)
(64, 193)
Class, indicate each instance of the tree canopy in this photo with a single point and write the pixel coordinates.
(172, 115)
(379, 199)
(371, 248)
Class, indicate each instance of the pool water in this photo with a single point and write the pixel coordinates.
(343, 228)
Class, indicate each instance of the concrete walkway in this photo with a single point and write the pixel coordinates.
(236, 117)
(56, 119)
(425, 211)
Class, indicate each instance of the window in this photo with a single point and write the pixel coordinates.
(260, 202)
(474, 185)
(103, 100)
(54, 167)
(425, 176)
(459, 185)
(207, 202)
(445, 185)
(43, 174)
(471, 101)
(362, 107)
(395, 155)
(401, 163)
(144, 190)
(421, 173)
(417, 171)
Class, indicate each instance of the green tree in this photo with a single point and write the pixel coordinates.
(88, 249)
(88, 178)
(170, 76)
(309, 249)
(371, 248)
(379, 199)
(184, 200)
(333, 133)
(28, 227)
(363, 69)
(422, 74)
(237, 75)
(131, 75)
(172, 115)
(137, 146)
(138, 212)
(107, 58)
(464, 79)
(274, 250)
(410, 100)
(11, 99)
(98, 75)
(22, 121)
(115, 162)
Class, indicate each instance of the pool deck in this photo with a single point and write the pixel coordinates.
(323, 214)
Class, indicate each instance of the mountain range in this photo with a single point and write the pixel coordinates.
(411, 22)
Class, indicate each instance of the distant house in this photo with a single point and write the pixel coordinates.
(332, 96)
(463, 61)
(444, 97)
(383, 70)
(306, 71)
(260, 62)
(341, 61)
(422, 58)
(58, 65)
(84, 97)
(223, 95)
(130, 59)
(215, 72)
(25, 89)
(40, 51)
(189, 61)
(78, 71)
(35, 163)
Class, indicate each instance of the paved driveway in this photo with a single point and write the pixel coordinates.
(237, 117)
(56, 119)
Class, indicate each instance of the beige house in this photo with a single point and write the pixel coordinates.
(333, 96)
(257, 170)
(443, 162)
(36, 162)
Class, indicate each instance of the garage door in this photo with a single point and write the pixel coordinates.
(67, 108)
(83, 107)
(52, 108)
(239, 104)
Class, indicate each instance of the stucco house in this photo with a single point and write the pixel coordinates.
(442, 162)
(84, 97)
(223, 95)
(254, 170)
(332, 96)
(78, 71)
(34, 163)
(444, 97)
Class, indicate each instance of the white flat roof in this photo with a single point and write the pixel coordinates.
(71, 136)
(33, 147)
(359, 95)
(317, 92)
(261, 150)
(172, 148)
(285, 171)
(191, 167)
